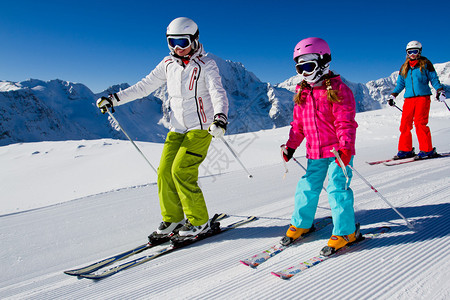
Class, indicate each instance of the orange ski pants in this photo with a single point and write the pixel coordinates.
(415, 109)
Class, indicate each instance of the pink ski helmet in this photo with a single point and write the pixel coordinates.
(312, 45)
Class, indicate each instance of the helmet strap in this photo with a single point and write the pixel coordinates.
(317, 76)
(195, 46)
(324, 59)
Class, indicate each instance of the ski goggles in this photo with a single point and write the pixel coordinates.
(306, 66)
(413, 51)
(181, 42)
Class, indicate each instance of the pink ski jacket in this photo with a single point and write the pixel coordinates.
(324, 124)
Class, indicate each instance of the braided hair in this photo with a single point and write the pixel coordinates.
(332, 95)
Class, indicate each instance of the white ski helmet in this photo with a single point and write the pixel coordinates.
(183, 28)
(414, 45)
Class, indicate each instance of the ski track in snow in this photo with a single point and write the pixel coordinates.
(38, 245)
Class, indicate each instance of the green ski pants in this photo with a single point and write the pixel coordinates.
(178, 190)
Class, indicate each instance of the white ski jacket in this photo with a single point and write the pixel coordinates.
(195, 91)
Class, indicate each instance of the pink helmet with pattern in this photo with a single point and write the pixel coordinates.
(312, 45)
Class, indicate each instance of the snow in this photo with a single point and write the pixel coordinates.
(68, 203)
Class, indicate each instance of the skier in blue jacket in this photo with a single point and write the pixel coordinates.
(415, 74)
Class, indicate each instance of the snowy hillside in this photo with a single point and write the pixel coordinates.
(65, 204)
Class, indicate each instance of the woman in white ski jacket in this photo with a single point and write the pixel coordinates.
(198, 110)
(195, 90)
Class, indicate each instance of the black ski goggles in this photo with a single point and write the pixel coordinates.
(413, 51)
(306, 66)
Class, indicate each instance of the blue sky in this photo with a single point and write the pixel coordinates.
(101, 43)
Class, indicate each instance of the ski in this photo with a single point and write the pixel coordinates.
(377, 162)
(170, 248)
(263, 256)
(107, 261)
(121, 256)
(313, 261)
(394, 162)
(412, 159)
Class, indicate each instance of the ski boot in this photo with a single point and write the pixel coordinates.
(336, 242)
(164, 232)
(294, 233)
(190, 233)
(190, 230)
(425, 155)
(405, 154)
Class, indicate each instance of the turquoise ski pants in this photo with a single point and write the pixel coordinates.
(178, 190)
(340, 199)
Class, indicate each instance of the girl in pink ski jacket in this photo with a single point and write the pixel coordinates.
(324, 115)
(325, 124)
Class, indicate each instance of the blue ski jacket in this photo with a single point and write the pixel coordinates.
(416, 81)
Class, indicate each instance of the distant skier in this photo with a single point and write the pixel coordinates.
(324, 114)
(199, 108)
(414, 76)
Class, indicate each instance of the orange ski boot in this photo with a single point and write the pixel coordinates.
(293, 233)
(336, 242)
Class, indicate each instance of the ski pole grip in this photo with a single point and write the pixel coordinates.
(341, 163)
(284, 162)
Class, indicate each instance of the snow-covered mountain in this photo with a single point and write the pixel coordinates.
(364, 101)
(56, 110)
(36, 110)
(374, 93)
(254, 105)
(380, 89)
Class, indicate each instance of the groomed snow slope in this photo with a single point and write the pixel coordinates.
(66, 204)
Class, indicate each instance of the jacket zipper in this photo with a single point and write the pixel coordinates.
(196, 96)
(412, 83)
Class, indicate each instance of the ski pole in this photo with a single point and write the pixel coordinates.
(298, 163)
(341, 163)
(135, 146)
(409, 224)
(323, 188)
(235, 156)
(284, 162)
(446, 105)
(398, 108)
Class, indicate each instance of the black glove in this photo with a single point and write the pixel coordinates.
(218, 126)
(391, 99)
(440, 95)
(287, 152)
(105, 102)
(220, 120)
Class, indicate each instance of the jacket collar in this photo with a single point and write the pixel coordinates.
(321, 81)
(197, 54)
(413, 63)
